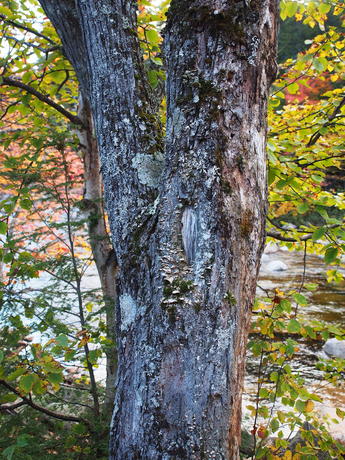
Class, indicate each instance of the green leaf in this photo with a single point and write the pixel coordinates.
(275, 425)
(285, 305)
(264, 393)
(291, 8)
(330, 255)
(55, 379)
(300, 299)
(22, 440)
(62, 340)
(8, 452)
(79, 428)
(293, 88)
(3, 228)
(10, 397)
(340, 413)
(317, 178)
(319, 232)
(2, 355)
(293, 326)
(17, 373)
(38, 388)
(290, 347)
(153, 78)
(302, 208)
(26, 203)
(324, 8)
(6, 12)
(93, 356)
(152, 36)
(300, 405)
(27, 381)
(320, 64)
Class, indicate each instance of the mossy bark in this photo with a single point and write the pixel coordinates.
(188, 249)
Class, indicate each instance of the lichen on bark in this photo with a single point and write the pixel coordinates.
(181, 362)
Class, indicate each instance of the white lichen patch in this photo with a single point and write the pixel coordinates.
(149, 168)
(189, 233)
(128, 309)
(254, 46)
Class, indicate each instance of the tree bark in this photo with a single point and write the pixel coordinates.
(102, 250)
(188, 241)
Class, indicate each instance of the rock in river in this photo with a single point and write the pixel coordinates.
(334, 348)
(276, 266)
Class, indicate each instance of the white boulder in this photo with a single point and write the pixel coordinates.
(276, 266)
(334, 348)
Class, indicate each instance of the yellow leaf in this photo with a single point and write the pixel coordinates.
(287, 455)
(309, 406)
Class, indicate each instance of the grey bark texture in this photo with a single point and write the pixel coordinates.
(188, 232)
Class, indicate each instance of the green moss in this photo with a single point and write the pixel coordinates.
(240, 162)
(226, 187)
(185, 99)
(154, 137)
(207, 89)
(167, 290)
(230, 299)
(178, 284)
(136, 246)
(197, 307)
(183, 285)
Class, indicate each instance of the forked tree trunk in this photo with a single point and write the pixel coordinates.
(188, 245)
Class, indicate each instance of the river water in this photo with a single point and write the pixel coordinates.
(326, 303)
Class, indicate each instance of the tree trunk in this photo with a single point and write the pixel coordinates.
(102, 250)
(188, 245)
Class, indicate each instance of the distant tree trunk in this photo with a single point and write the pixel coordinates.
(102, 250)
(188, 232)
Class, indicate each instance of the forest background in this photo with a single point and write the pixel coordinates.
(57, 331)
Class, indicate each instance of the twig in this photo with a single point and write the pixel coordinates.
(44, 410)
(28, 29)
(315, 137)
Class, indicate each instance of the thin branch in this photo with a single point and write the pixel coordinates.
(315, 137)
(32, 45)
(280, 237)
(63, 82)
(7, 109)
(10, 408)
(28, 29)
(18, 84)
(44, 410)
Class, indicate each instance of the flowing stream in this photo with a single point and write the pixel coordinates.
(326, 303)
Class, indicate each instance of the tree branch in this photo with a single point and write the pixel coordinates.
(42, 97)
(32, 45)
(315, 137)
(44, 410)
(28, 29)
(280, 237)
(10, 408)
